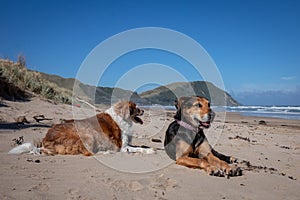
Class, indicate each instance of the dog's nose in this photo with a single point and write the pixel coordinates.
(212, 115)
(141, 112)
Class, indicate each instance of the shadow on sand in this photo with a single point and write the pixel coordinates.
(16, 126)
(2, 105)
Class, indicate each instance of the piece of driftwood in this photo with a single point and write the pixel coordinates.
(21, 120)
(18, 141)
(87, 103)
(39, 118)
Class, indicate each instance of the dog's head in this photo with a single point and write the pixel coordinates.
(194, 110)
(129, 111)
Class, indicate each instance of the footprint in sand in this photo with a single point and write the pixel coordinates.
(121, 185)
(73, 194)
(135, 186)
(163, 183)
(41, 187)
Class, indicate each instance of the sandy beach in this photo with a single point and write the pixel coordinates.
(268, 151)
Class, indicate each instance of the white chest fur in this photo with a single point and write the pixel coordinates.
(124, 125)
(126, 131)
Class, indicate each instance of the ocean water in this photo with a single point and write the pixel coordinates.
(282, 112)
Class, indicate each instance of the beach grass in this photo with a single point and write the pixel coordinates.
(18, 77)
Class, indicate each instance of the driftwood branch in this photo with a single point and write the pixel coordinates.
(39, 118)
(87, 103)
(21, 120)
(18, 141)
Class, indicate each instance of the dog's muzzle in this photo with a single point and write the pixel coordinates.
(212, 116)
(210, 119)
(136, 119)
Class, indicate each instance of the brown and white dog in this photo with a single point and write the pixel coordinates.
(186, 143)
(107, 131)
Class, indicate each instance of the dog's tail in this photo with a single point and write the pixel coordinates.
(28, 147)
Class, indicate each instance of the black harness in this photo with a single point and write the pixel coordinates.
(198, 134)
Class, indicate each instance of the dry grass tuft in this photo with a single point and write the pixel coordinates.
(16, 75)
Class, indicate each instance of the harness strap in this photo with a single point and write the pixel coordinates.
(187, 126)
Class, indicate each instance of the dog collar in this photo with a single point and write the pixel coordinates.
(187, 126)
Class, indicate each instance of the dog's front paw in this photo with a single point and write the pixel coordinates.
(214, 171)
(236, 171)
(233, 160)
(143, 149)
(149, 151)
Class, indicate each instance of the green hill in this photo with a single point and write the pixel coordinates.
(165, 95)
(93, 94)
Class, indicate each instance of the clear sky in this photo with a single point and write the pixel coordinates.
(254, 43)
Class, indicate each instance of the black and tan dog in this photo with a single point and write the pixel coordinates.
(186, 143)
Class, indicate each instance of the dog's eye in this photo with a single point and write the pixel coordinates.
(209, 105)
(198, 105)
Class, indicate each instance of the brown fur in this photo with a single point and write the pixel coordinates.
(189, 147)
(122, 110)
(85, 136)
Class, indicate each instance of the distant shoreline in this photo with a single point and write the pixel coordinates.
(279, 112)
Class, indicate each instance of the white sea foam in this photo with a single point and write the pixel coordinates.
(285, 112)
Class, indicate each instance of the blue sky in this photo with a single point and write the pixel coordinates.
(255, 44)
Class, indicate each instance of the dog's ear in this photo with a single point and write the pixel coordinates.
(186, 101)
(123, 109)
(180, 104)
(131, 110)
(178, 107)
(176, 103)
